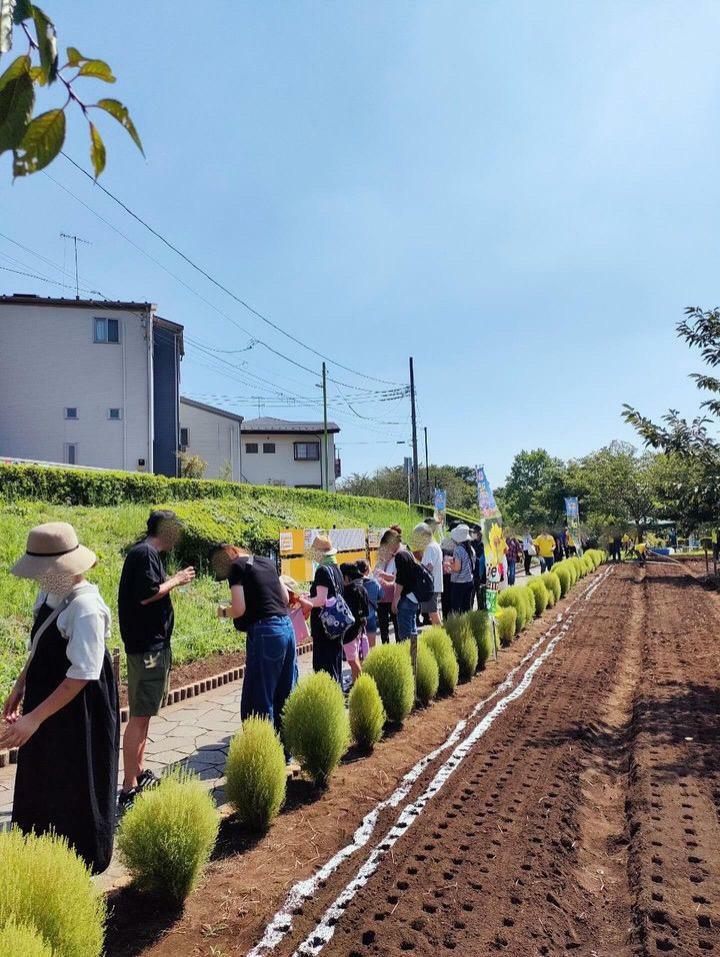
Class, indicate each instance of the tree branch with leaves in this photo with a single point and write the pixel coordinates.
(36, 140)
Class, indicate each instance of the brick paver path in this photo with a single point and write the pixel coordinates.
(195, 732)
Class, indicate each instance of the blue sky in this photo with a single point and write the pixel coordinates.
(523, 196)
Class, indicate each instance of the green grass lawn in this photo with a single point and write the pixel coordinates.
(108, 531)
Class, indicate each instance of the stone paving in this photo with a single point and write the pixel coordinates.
(195, 733)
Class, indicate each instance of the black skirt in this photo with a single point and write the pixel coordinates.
(67, 772)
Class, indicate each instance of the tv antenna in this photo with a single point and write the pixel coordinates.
(76, 240)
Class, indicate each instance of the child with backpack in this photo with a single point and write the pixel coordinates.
(374, 592)
(355, 641)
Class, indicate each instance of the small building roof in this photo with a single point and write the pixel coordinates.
(267, 425)
(184, 400)
(28, 299)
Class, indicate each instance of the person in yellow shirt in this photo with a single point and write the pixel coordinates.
(641, 552)
(545, 544)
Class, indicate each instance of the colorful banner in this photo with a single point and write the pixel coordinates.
(572, 511)
(440, 504)
(486, 499)
(494, 546)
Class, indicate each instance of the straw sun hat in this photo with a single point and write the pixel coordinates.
(53, 548)
(320, 548)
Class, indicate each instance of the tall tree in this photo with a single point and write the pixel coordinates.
(533, 494)
(694, 451)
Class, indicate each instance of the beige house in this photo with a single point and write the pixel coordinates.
(89, 382)
(284, 452)
(214, 435)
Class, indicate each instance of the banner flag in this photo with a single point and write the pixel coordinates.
(572, 511)
(485, 497)
(440, 504)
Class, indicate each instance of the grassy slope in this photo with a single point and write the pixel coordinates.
(109, 530)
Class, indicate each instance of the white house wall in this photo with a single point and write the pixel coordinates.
(280, 467)
(48, 362)
(215, 438)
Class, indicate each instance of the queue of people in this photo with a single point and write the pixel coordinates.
(63, 711)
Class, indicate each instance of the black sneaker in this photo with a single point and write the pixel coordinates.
(147, 779)
(126, 798)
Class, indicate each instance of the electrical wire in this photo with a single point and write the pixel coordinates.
(216, 282)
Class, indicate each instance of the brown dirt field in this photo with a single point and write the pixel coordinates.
(583, 820)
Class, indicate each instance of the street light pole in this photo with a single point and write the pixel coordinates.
(416, 477)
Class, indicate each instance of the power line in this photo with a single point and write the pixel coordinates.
(216, 282)
(254, 340)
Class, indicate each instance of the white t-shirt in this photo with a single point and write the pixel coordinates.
(85, 625)
(432, 556)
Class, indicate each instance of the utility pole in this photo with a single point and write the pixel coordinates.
(427, 465)
(76, 240)
(326, 484)
(416, 477)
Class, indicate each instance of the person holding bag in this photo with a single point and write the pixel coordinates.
(384, 572)
(63, 712)
(326, 592)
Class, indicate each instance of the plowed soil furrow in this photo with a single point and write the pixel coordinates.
(673, 797)
(492, 864)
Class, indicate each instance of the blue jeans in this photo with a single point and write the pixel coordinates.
(407, 618)
(270, 668)
(510, 572)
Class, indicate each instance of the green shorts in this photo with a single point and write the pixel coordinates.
(148, 676)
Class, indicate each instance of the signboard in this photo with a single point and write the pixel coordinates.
(286, 543)
(486, 499)
(440, 504)
(572, 511)
(494, 546)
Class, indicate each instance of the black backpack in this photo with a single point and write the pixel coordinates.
(424, 587)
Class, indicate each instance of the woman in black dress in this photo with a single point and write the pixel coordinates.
(63, 711)
(327, 585)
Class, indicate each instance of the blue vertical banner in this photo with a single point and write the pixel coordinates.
(440, 504)
(485, 497)
(572, 511)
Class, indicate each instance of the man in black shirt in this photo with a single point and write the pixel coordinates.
(146, 618)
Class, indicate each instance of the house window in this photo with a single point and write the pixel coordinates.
(115, 414)
(307, 451)
(269, 448)
(71, 453)
(106, 330)
(251, 448)
(71, 412)
(184, 438)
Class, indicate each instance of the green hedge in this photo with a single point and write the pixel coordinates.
(264, 509)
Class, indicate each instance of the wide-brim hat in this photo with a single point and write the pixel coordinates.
(53, 548)
(460, 534)
(320, 548)
(290, 583)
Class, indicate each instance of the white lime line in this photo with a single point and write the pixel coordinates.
(282, 923)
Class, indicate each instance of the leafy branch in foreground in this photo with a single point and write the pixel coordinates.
(35, 141)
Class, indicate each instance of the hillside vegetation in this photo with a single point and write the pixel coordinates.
(251, 515)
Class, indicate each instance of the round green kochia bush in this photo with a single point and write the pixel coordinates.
(562, 573)
(439, 643)
(316, 727)
(256, 774)
(506, 625)
(513, 597)
(45, 886)
(539, 591)
(165, 839)
(391, 668)
(428, 675)
(529, 596)
(551, 581)
(22, 940)
(481, 628)
(464, 644)
(367, 714)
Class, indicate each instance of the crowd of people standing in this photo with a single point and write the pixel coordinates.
(63, 711)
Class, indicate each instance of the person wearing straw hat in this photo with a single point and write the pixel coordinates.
(326, 586)
(63, 712)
